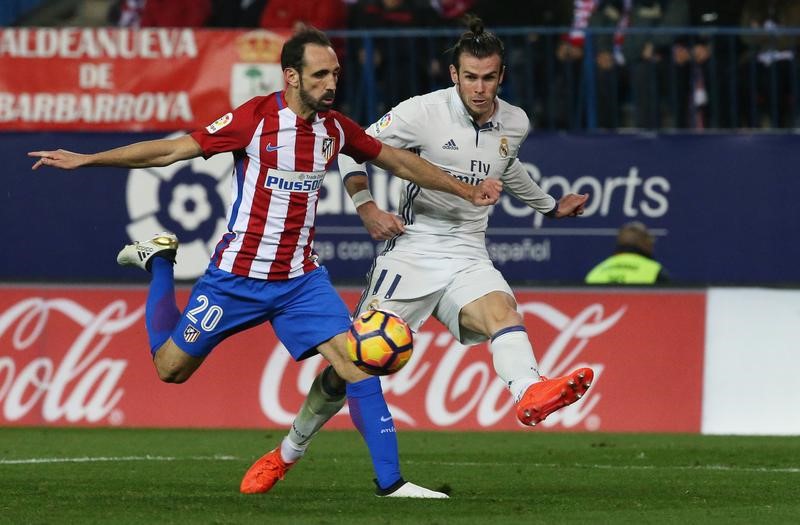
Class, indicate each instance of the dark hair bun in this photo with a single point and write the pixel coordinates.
(475, 24)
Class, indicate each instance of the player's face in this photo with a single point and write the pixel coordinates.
(477, 81)
(320, 75)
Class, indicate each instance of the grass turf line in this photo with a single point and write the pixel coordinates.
(69, 475)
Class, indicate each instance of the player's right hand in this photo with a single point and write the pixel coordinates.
(487, 192)
(66, 160)
(381, 225)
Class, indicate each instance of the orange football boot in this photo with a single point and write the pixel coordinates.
(264, 473)
(548, 395)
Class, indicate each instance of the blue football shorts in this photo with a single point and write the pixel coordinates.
(304, 312)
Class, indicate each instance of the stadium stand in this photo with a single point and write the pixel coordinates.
(572, 65)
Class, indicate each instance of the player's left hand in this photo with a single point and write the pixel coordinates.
(571, 205)
(487, 192)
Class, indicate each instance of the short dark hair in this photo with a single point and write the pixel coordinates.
(293, 49)
(477, 42)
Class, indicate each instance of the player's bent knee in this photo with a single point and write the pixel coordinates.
(513, 318)
(335, 352)
(172, 375)
(351, 373)
(331, 382)
(173, 365)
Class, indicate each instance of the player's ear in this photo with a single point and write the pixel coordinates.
(291, 77)
(453, 74)
(502, 74)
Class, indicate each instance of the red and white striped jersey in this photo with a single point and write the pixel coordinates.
(280, 162)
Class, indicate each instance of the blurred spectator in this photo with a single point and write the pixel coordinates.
(391, 14)
(160, 13)
(401, 69)
(770, 63)
(236, 13)
(610, 64)
(126, 13)
(451, 11)
(632, 262)
(293, 14)
(12, 10)
(534, 76)
(710, 82)
(511, 13)
(648, 57)
(608, 61)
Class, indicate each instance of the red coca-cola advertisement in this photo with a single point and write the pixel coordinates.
(80, 356)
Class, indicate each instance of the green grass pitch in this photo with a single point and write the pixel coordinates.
(68, 475)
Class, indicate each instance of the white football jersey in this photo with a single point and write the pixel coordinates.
(438, 127)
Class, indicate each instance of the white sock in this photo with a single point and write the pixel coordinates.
(291, 452)
(317, 409)
(514, 362)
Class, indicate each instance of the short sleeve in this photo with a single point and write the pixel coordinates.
(232, 131)
(396, 127)
(357, 143)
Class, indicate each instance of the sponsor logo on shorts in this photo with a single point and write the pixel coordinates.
(191, 334)
(220, 123)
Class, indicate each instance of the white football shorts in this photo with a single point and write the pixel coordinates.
(416, 286)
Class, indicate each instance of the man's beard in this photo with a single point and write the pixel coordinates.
(313, 103)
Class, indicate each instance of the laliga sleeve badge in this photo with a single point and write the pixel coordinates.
(503, 147)
(220, 123)
(384, 122)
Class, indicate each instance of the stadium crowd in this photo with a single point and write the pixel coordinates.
(732, 65)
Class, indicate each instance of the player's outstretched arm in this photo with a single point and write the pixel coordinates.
(151, 153)
(380, 224)
(518, 182)
(408, 166)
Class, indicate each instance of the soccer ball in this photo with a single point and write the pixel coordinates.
(379, 342)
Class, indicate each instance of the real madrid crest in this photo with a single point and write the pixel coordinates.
(328, 148)
(503, 147)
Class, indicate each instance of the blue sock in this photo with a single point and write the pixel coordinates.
(372, 418)
(161, 313)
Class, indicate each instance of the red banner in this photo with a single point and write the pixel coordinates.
(71, 356)
(131, 80)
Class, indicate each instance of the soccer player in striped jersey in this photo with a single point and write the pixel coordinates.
(264, 268)
(435, 260)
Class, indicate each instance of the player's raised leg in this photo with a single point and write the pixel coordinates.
(536, 397)
(157, 256)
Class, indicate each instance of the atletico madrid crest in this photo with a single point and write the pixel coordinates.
(328, 147)
(191, 334)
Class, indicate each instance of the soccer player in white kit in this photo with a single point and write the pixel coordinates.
(435, 260)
